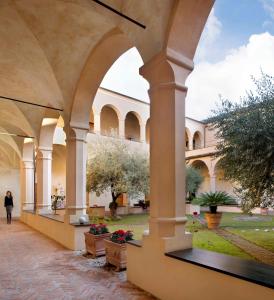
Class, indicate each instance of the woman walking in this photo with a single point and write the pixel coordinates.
(9, 206)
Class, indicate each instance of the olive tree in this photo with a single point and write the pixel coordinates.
(245, 132)
(113, 166)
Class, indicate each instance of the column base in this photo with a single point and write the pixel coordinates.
(28, 206)
(73, 215)
(44, 210)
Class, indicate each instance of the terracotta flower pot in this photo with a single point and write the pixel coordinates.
(213, 220)
(95, 243)
(116, 254)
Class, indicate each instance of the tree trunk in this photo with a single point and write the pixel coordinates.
(113, 205)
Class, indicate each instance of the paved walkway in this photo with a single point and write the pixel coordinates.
(33, 267)
(259, 253)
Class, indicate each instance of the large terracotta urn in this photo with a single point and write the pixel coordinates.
(213, 219)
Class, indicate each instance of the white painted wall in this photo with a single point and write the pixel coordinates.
(10, 181)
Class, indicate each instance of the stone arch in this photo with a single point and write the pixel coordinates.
(197, 141)
(205, 172)
(112, 45)
(221, 184)
(132, 126)
(109, 119)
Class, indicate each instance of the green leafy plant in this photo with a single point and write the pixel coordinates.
(114, 167)
(213, 199)
(121, 236)
(193, 181)
(246, 143)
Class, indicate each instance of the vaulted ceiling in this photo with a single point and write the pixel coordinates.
(44, 46)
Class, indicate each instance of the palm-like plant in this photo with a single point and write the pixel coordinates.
(213, 199)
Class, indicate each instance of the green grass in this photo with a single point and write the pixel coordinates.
(206, 239)
(230, 220)
(260, 238)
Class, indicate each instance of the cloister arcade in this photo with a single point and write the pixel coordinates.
(58, 65)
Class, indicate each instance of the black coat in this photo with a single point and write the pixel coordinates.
(8, 201)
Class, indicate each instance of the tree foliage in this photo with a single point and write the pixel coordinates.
(193, 180)
(246, 132)
(114, 167)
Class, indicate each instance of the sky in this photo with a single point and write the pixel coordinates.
(237, 43)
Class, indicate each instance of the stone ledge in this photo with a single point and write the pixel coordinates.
(136, 243)
(248, 270)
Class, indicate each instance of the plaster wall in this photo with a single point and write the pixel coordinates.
(58, 168)
(210, 139)
(10, 181)
(177, 280)
(71, 237)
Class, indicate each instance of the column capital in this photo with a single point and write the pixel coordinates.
(167, 69)
(44, 153)
(77, 134)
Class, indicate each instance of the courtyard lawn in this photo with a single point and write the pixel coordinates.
(234, 220)
(208, 240)
(243, 225)
(261, 238)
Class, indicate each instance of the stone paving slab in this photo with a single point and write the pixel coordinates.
(33, 267)
(259, 253)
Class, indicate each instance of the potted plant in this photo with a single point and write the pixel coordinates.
(116, 248)
(212, 200)
(94, 239)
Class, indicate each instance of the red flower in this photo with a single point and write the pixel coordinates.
(195, 213)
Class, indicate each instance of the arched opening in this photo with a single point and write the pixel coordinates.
(197, 140)
(132, 127)
(222, 185)
(109, 121)
(58, 184)
(203, 169)
(148, 131)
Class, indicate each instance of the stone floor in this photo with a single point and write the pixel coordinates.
(33, 267)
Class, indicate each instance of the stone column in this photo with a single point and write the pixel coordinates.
(212, 182)
(142, 132)
(27, 185)
(122, 128)
(76, 174)
(27, 176)
(97, 122)
(166, 74)
(44, 166)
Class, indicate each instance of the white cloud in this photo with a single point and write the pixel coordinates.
(229, 77)
(269, 7)
(123, 76)
(209, 36)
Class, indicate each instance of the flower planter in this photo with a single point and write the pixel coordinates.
(116, 254)
(95, 243)
(213, 220)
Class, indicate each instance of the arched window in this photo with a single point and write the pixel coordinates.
(132, 127)
(109, 121)
(197, 140)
